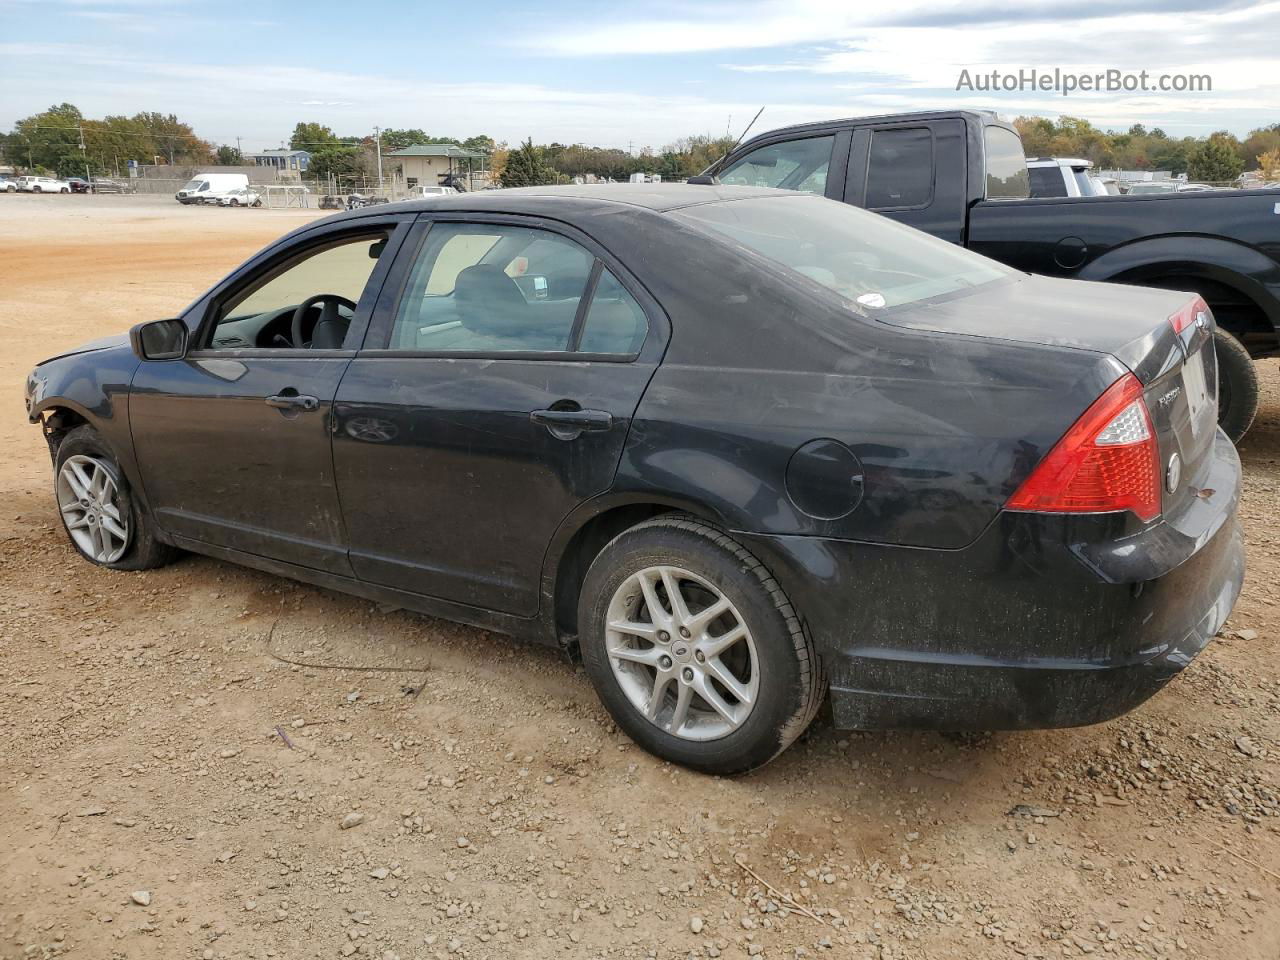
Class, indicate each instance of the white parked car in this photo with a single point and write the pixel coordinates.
(241, 197)
(43, 185)
(426, 190)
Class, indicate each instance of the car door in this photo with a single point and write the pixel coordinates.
(233, 440)
(912, 172)
(813, 163)
(492, 396)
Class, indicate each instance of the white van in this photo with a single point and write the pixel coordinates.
(211, 186)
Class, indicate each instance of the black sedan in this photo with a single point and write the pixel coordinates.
(737, 447)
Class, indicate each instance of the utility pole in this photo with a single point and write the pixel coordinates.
(239, 153)
(84, 156)
(377, 136)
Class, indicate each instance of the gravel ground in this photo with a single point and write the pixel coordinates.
(207, 762)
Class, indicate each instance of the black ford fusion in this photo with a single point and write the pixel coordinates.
(740, 448)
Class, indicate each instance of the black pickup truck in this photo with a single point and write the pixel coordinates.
(962, 175)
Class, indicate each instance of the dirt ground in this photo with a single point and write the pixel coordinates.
(175, 774)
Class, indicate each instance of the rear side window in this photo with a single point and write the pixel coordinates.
(900, 169)
(1047, 182)
(615, 322)
(1006, 166)
(497, 289)
(795, 165)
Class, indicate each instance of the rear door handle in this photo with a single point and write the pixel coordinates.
(294, 402)
(568, 424)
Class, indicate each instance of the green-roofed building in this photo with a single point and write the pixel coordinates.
(429, 164)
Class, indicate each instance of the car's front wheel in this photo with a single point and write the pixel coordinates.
(694, 649)
(99, 512)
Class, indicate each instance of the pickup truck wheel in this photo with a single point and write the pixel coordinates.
(1237, 386)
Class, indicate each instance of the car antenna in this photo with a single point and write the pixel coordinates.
(743, 133)
(704, 177)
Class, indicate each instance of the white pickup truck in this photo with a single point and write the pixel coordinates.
(1063, 177)
(43, 185)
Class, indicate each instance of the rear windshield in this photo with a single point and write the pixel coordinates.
(864, 257)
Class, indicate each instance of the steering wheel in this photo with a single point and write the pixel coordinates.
(331, 303)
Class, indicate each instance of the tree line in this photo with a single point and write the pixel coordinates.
(51, 142)
(1219, 157)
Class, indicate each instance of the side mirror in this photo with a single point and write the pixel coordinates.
(159, 340)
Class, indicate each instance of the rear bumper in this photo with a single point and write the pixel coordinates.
(1044, 621)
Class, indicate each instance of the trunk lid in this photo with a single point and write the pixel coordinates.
(1177, 370)
(1183, 402)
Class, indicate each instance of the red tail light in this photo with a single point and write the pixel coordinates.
(1187, 315)
(1107, 461)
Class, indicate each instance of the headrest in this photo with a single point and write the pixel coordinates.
(490, 302)
(486, 282)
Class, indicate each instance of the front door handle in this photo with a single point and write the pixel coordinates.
(293, 402)
(569, 424)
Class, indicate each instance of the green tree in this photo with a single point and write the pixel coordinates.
(50, 140)
(1172, 158)
(229, 156)
(306, 136)
(399, 139)
(1214, 161)
(525, 167)
(173, 139)
(1260, 141)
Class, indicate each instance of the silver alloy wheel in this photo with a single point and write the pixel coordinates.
(682, 653)
(91, 508)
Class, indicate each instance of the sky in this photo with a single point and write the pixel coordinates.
(626, 74)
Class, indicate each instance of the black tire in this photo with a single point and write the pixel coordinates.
(792, 684)
(1237, 386)
(144, 551)
(36, 189)
(65, 190)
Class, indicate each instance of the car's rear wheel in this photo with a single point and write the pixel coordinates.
(1237, 386)
(65, 190)
(99, 512)
(694, 649)
(36, 189)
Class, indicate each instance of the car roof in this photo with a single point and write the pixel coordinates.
(656, 197)
(1059, 161)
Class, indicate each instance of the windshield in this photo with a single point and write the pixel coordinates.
(862, 256)
(194, 185)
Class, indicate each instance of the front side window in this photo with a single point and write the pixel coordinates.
(795, 165)
(324, 285)
(900, 169)
(868, 259)
(495, 288)
(1006, 165)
